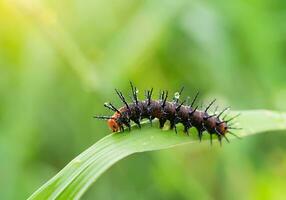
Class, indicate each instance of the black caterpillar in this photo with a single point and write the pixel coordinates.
(173, 111)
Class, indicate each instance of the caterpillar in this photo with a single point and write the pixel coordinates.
(174, 111)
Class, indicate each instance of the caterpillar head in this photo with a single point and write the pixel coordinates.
(113, 125)
(113, 122)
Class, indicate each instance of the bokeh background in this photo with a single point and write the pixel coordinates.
(61, 60)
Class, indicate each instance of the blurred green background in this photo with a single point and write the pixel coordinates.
(61, 60)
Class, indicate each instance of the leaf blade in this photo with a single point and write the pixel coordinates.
(73, 180)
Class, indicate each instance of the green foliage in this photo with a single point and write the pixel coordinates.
(85, 169)
(61, 60)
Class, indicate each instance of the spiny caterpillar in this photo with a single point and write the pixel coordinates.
(174, 111)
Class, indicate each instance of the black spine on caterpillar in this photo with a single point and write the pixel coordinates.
(173, 111)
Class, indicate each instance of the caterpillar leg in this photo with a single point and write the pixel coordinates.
(128, 125)
(162, 122)
(200, 134)
(137, 121)
(150, 120)
(186, 129)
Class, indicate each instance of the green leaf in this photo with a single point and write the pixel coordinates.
(72, 181)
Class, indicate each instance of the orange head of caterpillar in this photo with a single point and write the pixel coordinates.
(113, 123)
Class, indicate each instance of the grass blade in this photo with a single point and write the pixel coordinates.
(72, 181)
